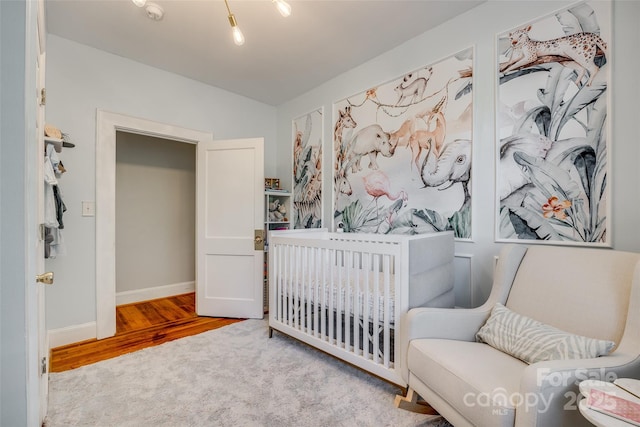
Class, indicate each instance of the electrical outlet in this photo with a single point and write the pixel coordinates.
(88, 208)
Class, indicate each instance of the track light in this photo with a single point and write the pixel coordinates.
(283, 7)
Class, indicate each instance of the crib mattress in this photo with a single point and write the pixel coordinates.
(346, 290)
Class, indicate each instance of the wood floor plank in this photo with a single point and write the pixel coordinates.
(133, 318)
(140, 325)
(186, 301)
(158, 313)
(169, 310)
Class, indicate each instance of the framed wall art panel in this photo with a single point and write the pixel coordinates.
(552, 164)
(402, 152)
(307, 169)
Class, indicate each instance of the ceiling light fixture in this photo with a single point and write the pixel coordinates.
(283, 7)
(155, 12)
(238, 37)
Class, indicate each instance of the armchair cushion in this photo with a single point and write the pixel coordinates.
(473, 375)
(532, 341)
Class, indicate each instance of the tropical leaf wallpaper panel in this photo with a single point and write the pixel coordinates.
(307, 170)
(552, 124)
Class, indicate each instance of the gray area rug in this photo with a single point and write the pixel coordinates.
(232, 376)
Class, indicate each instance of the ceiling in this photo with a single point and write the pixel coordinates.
(281, 59)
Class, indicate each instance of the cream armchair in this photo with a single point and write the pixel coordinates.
(589, 292)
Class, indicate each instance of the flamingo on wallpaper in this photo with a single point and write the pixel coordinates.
(377, 184)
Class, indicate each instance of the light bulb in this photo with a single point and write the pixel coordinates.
(139, 3)
(238, 37)
(283, 7)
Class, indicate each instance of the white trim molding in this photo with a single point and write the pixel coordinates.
(71, 334)
(463, 286)
(107, 124)
(146, 294)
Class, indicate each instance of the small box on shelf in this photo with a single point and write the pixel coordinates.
(272, 184)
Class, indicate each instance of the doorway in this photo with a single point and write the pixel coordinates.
(108, 124)
(155, 218)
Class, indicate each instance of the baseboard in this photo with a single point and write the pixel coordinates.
(71, 334)
(146, 294)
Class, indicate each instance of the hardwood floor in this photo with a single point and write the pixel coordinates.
(139, 325)
(145, 314)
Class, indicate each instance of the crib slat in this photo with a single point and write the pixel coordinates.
(331, 297)
(302, 286)
(283, 279)
(386, 328)
(278, 277)
(356, 304)
(292, 294)
(298, 287)
(284, 293)
(338, 298)
(323, 313)
(290, 286)
(376, 311)
(283, 282)
(302, 300)
(348, 309)
(366, 338)
(308, 291)
(316, 297)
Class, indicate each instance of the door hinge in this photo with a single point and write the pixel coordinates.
(43, 96)
(43, 366)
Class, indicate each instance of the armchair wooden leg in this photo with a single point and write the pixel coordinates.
(410, 403)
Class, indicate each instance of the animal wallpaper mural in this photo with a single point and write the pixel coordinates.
(307, 170)
(402, 153)
(552, 123)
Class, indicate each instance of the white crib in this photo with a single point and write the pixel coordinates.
(344, 292)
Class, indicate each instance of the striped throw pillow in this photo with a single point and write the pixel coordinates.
(532, 341)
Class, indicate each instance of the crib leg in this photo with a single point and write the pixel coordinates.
(410, 403)
(270, 332)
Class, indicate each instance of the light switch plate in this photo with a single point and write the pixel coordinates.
(88, 208)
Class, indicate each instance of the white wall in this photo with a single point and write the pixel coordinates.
(479, 28)
(80, 80)
(155, 214)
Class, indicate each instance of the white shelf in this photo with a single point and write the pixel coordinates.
(277, 193)
(284, 198)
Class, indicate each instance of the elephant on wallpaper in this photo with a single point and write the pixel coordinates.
(452, 165)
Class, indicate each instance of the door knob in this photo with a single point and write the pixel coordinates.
(258, 240)
(46, 278)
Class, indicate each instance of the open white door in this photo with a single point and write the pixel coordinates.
(43, 342)
(229, 209)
